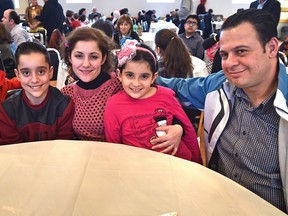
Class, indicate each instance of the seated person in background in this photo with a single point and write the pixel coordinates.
(39, 111)
(67, 24)
(94, 13)
(75, 23)
(132, 115)
(125, 30)
(6, 52)
(7, 84)
(82, 20)
(191, 38)
(11, 21)
(31, 12)
(81, 12)
(116, 15)
(56, 40)
(212, 53)
(284, 46)
(175, 59)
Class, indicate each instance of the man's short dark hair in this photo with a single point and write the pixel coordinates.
(262, 21)
(13, 15)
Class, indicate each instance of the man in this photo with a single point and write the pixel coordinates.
(94, 14)
(272, 6)
(186, 8)
(11, 21)
(52, 17)
(191, 38)
(245, 107)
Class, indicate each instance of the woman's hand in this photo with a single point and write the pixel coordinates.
(170, 141)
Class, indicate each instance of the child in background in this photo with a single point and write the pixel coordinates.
(39, 111)
(7, 84)
(132, 115)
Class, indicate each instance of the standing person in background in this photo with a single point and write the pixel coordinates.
(186, 8)
(272, 6)
(52, 17)
(5, 5)
(31, 12)
(245, 107)
(208, 27)
(201, 9)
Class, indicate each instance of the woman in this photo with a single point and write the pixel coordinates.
(125, 30)
(87, 55)
(6, 52)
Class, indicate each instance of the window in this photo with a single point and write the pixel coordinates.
(241, 2)
(77, 1)
(16, 4)
(160, 1)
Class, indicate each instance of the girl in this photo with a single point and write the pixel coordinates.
(175, 59)
(125, 30)
(132, 115)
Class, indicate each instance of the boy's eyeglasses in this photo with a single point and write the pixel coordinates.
(191, 23)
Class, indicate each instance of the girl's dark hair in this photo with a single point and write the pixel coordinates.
(145, 56)
(176, 57)
(88, 34)
(27, 48)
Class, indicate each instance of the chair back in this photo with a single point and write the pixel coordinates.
(55, 59)
(2, 66)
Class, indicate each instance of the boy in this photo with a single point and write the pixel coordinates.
(39, 111)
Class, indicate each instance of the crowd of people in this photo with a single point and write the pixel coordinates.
(120, 90)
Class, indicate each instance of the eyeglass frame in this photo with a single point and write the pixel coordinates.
(191, 23)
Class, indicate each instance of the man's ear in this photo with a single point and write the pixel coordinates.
(273, 47)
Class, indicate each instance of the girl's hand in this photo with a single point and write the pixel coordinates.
(170, 141)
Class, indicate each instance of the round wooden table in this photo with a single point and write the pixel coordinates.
(82, 178)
